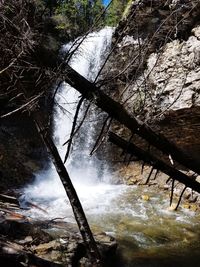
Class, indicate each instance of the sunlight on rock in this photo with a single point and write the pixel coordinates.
(145, 197)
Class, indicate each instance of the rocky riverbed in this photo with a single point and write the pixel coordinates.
(138, 174)
(27, 242)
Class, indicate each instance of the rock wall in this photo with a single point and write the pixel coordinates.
(175, 75)
(154, 69)
(21, 152)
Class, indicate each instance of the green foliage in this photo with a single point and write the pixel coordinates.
(115, 12)
(127, 8)
(74, 16)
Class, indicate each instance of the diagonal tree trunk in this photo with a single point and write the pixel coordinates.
(91, 246)
(117, 111)
(155, 162)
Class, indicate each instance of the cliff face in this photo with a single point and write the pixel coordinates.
(175, 74)
(155, 70)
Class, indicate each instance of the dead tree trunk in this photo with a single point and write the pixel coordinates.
(153, 161)
(91, 246)
(117, 111)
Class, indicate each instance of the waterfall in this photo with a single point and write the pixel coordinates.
(85, 171)
(87, 60)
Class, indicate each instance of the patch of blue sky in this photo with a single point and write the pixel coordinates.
(106, 2)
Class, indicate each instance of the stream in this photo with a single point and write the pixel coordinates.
(148, 233)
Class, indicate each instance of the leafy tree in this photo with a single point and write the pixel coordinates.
(77, 16)
(115, 12)
(97, 10)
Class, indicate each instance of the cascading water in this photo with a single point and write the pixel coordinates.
(147, 231)
(84, 170)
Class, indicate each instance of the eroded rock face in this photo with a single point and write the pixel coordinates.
(175, 74)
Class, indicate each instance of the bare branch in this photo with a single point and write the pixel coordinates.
(22, 107)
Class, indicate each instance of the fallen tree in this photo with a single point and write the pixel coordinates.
(91, 92)
(156, 163)
(89, 241)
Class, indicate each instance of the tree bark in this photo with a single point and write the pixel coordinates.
(153, 161)
(91, 246)
(117, 111)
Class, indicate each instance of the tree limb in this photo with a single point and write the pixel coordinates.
(118, 112)
(91, 247)
(156, 163)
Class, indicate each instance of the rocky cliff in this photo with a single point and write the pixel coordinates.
(154, 68)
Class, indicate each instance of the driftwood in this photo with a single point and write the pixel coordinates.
(91, 247)
(153, 161)
(9, 199)
(115, 110)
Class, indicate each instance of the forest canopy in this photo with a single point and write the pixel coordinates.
(77, 16)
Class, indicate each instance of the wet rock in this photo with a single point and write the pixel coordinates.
(26, 240)
(166, 187)
(187, 195)
(193, 199)
(17, 230)
(186, 206)
(172, 207)
(45, 247)
(84, 262)
(196, 32)
(131, 181)
(10, 247)
(18, 134)
(198, 179)
(106, 243)
(193, 207)
(53, 251)
(145, 197)
(66, 247)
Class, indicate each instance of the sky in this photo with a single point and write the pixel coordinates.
(106, 2)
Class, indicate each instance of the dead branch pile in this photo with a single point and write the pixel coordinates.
(21, 75)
